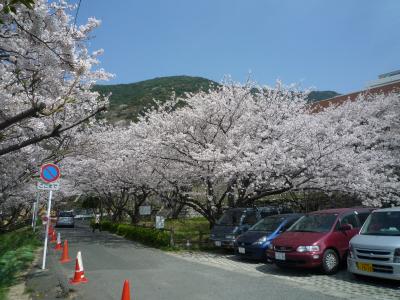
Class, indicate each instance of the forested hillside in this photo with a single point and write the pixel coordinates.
(129, 100)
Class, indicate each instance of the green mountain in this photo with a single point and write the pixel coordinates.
(321, 95)
(129, 100)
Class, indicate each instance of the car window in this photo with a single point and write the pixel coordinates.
(269, 224)
(362, 217)
(350, 220)
(231, 218)
(250, 218)
(288, 224)
(383, 223)
(318, 222)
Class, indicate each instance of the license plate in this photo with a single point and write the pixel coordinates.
(242, 250)
(218, 243)
(280, 256)
(365, 267)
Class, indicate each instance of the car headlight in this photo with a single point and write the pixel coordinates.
(230, 237)
(271, 247)
(307, 249)
(351, 251)
(260, 241)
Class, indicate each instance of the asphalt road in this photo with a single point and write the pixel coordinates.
(154, 275)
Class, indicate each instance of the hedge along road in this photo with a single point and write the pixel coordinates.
(109, 259)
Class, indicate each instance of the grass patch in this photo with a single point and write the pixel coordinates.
(186, 229)
(189, 229)
(16, 253)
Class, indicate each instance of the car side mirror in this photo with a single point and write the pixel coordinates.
(346, 227)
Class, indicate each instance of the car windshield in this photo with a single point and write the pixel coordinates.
(231, 217)
(269, 224)
(65, 214)
(314, 223)
(382, 223)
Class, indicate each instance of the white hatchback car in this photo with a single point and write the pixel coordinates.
(376, 250)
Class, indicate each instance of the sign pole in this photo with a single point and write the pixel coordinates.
(47, 230)
(35, 211)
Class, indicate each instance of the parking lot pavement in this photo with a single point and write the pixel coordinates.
(154, 275)
(342, 284)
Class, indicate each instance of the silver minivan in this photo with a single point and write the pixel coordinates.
(376, 250)
(65, 219)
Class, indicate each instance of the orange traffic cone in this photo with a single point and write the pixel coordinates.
(126, 293)
(65, 257)
(79, 276)
(53, 237)
(58, 245)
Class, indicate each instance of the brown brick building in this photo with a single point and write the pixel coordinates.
(386, 83)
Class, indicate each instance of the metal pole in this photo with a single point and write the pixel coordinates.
(35, 211)
(33, 214)
(47, 230)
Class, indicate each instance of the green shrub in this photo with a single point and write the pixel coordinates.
(148, 236)
(109, 226)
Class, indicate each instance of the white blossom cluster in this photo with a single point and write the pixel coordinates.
(46, 73)
(236, 144)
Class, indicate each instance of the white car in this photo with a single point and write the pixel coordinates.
(65, 219)
(376, 250)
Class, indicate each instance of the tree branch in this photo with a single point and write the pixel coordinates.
(55, 132)
(23, 115)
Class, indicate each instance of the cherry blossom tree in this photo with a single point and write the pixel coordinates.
(46, 73)
(237, 144)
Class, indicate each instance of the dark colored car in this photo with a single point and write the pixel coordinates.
(253, 243)
(318, 239)
(235, 221)
(65, 219)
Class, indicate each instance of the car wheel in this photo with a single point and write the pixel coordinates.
(330, 262)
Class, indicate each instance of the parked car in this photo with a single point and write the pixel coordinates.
(65, 219)
(253, 243)
(376, 250)
(318, 239)
(235, 221)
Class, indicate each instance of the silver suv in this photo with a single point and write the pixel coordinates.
(376, 250)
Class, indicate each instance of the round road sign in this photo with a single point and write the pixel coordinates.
(49, 173)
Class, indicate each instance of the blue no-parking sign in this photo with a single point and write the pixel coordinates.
(49, 173)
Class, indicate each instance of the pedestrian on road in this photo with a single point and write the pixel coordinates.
(96, 224)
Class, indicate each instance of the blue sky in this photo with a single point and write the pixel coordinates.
(326, 44)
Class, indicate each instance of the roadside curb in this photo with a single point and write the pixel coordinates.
(48, 284)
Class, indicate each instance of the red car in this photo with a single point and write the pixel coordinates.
(318, 239)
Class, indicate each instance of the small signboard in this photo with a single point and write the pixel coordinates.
(160, 222)
(48, 186)
(145, 210)
(49, 173)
